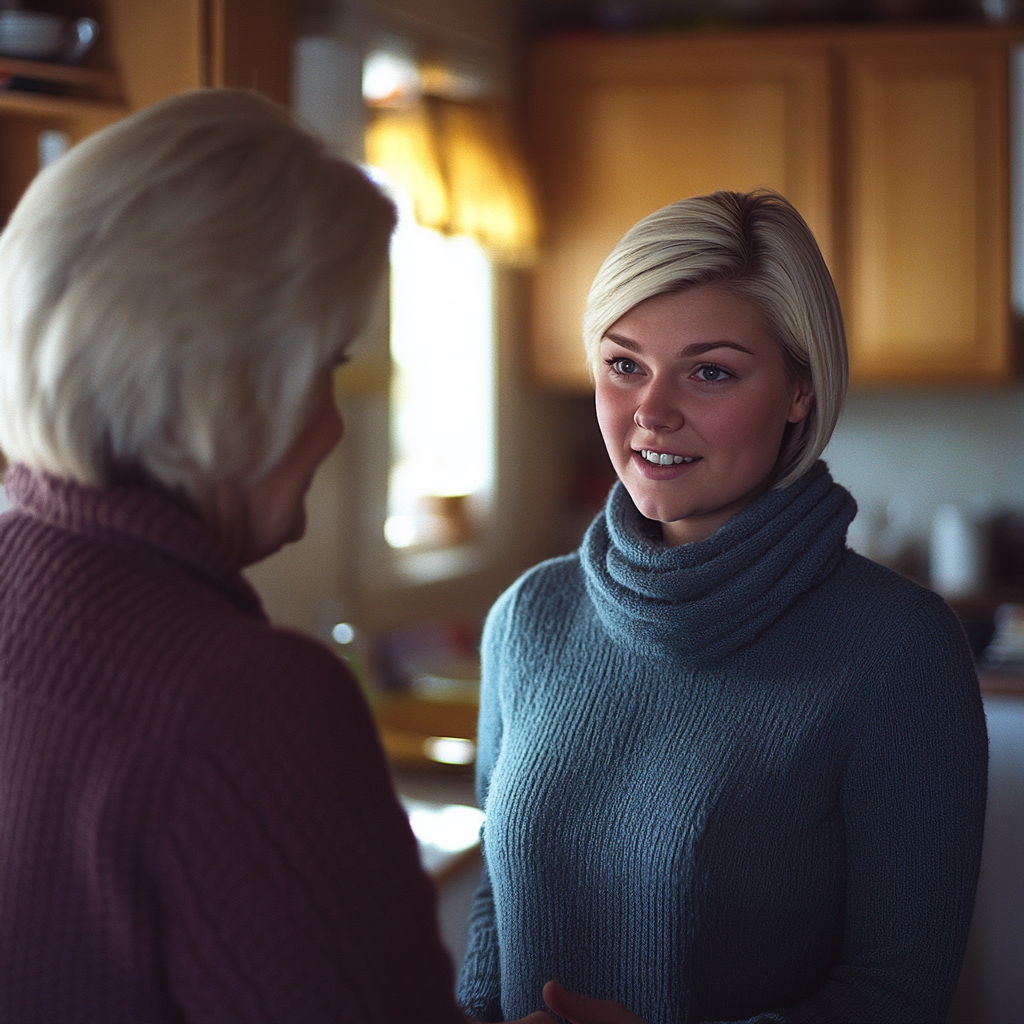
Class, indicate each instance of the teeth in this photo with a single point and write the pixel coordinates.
(663, 459)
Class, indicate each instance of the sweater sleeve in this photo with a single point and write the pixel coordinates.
(479, 989)
(913, 803)
(287, 874)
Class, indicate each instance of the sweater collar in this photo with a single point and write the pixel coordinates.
(700, 602)
(135, 513)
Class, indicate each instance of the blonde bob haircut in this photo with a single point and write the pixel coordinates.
(756, 244)
(172, 288)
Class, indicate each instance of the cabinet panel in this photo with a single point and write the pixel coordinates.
(157, 48)
(927, 294)
(619, 130)
(250, 45)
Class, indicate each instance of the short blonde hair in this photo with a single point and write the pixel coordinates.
(171, 289)
(758, 245)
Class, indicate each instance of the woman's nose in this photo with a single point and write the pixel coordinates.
(660, 410)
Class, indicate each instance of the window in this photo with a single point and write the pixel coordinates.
(463, 202)
(442, 406)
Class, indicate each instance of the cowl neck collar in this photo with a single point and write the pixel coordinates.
(131, 513)
(700, 602)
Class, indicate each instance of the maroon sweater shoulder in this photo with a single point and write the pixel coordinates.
(198, 822)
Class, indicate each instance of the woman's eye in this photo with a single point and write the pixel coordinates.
(712, 374)
(623, 366)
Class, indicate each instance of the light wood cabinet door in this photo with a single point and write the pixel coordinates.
(622, 127)
(161, 49)
(926, 283)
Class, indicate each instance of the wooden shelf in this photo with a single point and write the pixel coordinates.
(101, 81)
(36, 103)
(87, 90)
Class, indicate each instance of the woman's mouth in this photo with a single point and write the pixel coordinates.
(665, 459)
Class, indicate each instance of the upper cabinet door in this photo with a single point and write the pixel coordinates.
(926, 293)
(250, 45)
(622, 127)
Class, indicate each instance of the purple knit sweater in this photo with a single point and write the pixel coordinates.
(197, 822)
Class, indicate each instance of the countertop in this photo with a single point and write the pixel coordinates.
(443, 814)
(999, 681)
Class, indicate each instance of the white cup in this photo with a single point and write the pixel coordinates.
(36, 35)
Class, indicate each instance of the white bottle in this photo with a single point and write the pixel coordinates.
(957, 558)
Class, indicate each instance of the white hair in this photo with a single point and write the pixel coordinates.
(171, 289)
(758, 245)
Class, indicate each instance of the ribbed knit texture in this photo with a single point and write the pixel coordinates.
(197, 822)
(740, 780)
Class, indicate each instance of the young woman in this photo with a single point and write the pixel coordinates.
(732, 770)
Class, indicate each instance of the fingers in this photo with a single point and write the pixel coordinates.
(538, 1017)
(584, 1010)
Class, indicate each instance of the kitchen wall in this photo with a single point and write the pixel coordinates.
(929, 448)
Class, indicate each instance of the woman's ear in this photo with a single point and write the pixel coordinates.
(803, 400)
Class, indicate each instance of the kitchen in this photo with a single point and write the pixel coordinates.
(903, 451)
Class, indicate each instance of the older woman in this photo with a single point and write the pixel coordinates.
(732, 770)
(197, 819)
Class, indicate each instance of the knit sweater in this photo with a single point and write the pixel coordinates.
(197, 822)
(738, 780)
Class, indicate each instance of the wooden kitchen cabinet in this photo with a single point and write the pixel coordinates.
(148, 50)
(620, 127)
(927, 284)
(891, 142)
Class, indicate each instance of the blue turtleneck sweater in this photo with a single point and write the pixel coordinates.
(738, 780)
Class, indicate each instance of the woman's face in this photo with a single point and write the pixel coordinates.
(693, 398)
(257, 518)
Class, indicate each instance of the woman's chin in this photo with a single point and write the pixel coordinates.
(268, 541)
(658, 511)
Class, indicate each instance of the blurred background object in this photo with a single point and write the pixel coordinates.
(429, 677)
(957, 555)
(1006, 648)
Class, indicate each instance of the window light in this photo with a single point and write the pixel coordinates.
(464, 175)
(442, 406)
(389, 78)
(401, 144)
(464, 200)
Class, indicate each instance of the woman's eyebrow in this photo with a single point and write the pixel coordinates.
(624, 342)
(698, 348)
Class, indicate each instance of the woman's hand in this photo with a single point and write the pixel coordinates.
(584, 1010)
(579, 1009)
(540, 1017)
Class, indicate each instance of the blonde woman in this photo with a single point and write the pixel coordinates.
(198, 823)
(732, 770)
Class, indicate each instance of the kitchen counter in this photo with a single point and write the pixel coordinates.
(998, 681)
(443, 814)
